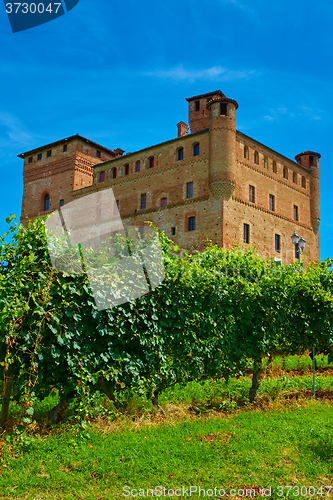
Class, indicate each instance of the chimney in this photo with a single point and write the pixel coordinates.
(182, 129)
(118, 152)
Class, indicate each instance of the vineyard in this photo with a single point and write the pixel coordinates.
(215, 314)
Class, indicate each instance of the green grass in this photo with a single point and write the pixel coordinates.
(210, 436)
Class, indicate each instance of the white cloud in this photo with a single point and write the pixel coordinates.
(179, 73)
(11, 127)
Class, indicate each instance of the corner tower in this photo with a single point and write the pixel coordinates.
(310, 160)
(198, 116)
(222, 146)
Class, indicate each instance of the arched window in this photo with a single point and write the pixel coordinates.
(164, 202)
(265, 162)
(196, 149)
(151, 162)
(180, 154)
(62, 203)
(101, 177)
(285, 172)
(256, 157)
(246, 152)
(126, 169)
(303, 182)
(294, 178)
(114, 173)
(46, 202)
(274, 167)
(137, 166)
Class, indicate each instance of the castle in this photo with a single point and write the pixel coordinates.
(212, 182)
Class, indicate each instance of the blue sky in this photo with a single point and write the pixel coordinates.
(119, 72)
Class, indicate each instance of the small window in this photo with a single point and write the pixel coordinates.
(64, 148)
(303, 182)
(30, 159)
(256, 157)
(196, 149)
(272, 202)
(137, 166)
(180, 154)
(251, 194)
(294, 178)
(274, 167)
(191, 223)
(189, 190)
(277, 243)
(126, 169)
(285, 172)
(101, 177)
(62, 203)
(295, 212)
(114, 173)
(143, 201)
(246, 152)
(48, 153)
(151, 162)
(98, 153)
(311, 163)
(164, 202)
(39, 156)
(265, 162)
(196, 105)
(223, 109)
(173, 231)
(246, 233)
(47, 202)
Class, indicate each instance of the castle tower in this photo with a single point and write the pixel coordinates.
(52, 172)
(198, 116)
(222, 146)
(310, 160)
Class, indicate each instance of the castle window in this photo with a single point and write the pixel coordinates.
(196, 149)
(39, 156)
(223, 109)
(143, 200)
(114, 173)
(47, 202)
(101, 177)
(151, 162)
(256, 157)
(30, 159)
(277, 243)
(62, 203)
(303, 182)
(98, 153)
(48, 153)
(126, 169)
(173, 231)
(64, 148)
(180, 154)
(272, 202)
(295, 212)
(311, 163)
(137, 166)
(265, 162)
(196, 105)
(285, 172)
(294, 178)
(246, 233)
(189, 190)
(164, 202)
(274, 167)
(246, 152)
(251, 194)
(191, 223)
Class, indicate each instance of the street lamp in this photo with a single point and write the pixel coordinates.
(299, 244)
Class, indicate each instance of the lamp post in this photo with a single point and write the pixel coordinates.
(299, 247)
